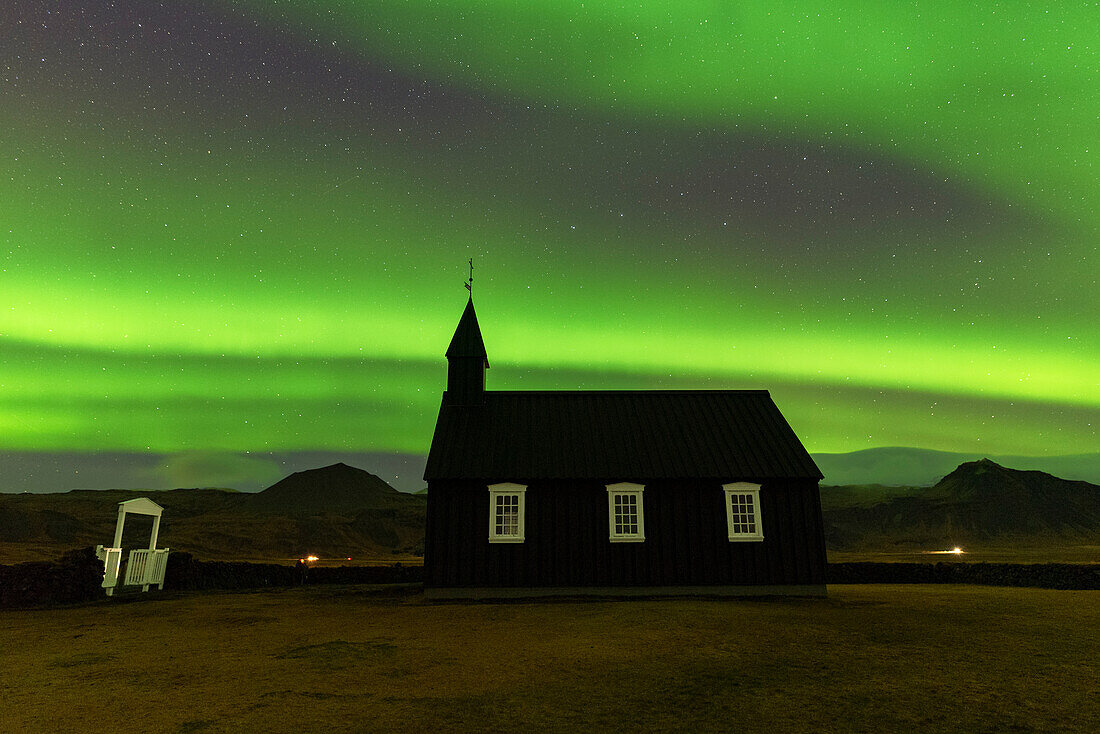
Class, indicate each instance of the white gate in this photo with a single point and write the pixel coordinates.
(111, 558)
(146, 565)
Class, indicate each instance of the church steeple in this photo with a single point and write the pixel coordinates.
(466, 361)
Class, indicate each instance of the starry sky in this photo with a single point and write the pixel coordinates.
(231, 227)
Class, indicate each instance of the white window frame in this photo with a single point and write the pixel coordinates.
(622, 489)
(753, 491)
(501, 490)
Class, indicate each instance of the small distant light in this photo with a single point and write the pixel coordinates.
(957, 550)
(311, 559)
(349, 558)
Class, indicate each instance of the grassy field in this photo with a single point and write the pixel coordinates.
(868, 658)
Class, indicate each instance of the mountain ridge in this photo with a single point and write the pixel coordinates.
(979, 502)
(341, 511)
(906, 466)
(337, 487)
(250, 472)
(333, 511)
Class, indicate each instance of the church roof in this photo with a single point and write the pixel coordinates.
(616, 435)
(467, 340)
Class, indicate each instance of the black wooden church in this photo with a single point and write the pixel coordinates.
(615, 492)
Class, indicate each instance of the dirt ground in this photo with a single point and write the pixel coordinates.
(349, 659)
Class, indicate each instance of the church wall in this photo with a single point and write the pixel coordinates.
(566, 537)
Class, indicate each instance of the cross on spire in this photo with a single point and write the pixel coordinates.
(470, 282)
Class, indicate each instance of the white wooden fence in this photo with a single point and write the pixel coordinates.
(146, 567)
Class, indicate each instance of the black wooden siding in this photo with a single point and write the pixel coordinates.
(566, 538)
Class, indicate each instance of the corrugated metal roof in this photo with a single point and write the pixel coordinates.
(622, 435)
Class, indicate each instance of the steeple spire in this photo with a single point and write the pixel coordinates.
(466, 360)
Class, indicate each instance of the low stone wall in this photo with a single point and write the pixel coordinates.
(185, 572)
(74, 578)
(1040, 575)
(77, 575)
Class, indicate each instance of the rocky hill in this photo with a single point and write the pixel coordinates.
(332, 512)
(981, 501)
(924, 467)
(338, 488)
(339, 511)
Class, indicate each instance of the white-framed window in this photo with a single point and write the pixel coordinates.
(743, 511)
(625, 513)
(506, 512)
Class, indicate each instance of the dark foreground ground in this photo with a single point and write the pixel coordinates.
(909, 658)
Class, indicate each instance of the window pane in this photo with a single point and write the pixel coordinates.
(742, 514)
(626, 511)
(506, 515)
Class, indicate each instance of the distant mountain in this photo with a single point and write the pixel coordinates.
(335, 488)
(334, 512)
(340, 511)
(979, 501)
(41, 524)
(863, 495)
(924, 467)
(49, 472)
(54, 471)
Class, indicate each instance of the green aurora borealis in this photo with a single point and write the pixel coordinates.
(243, 226)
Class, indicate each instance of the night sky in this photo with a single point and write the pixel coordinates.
(234, 227)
